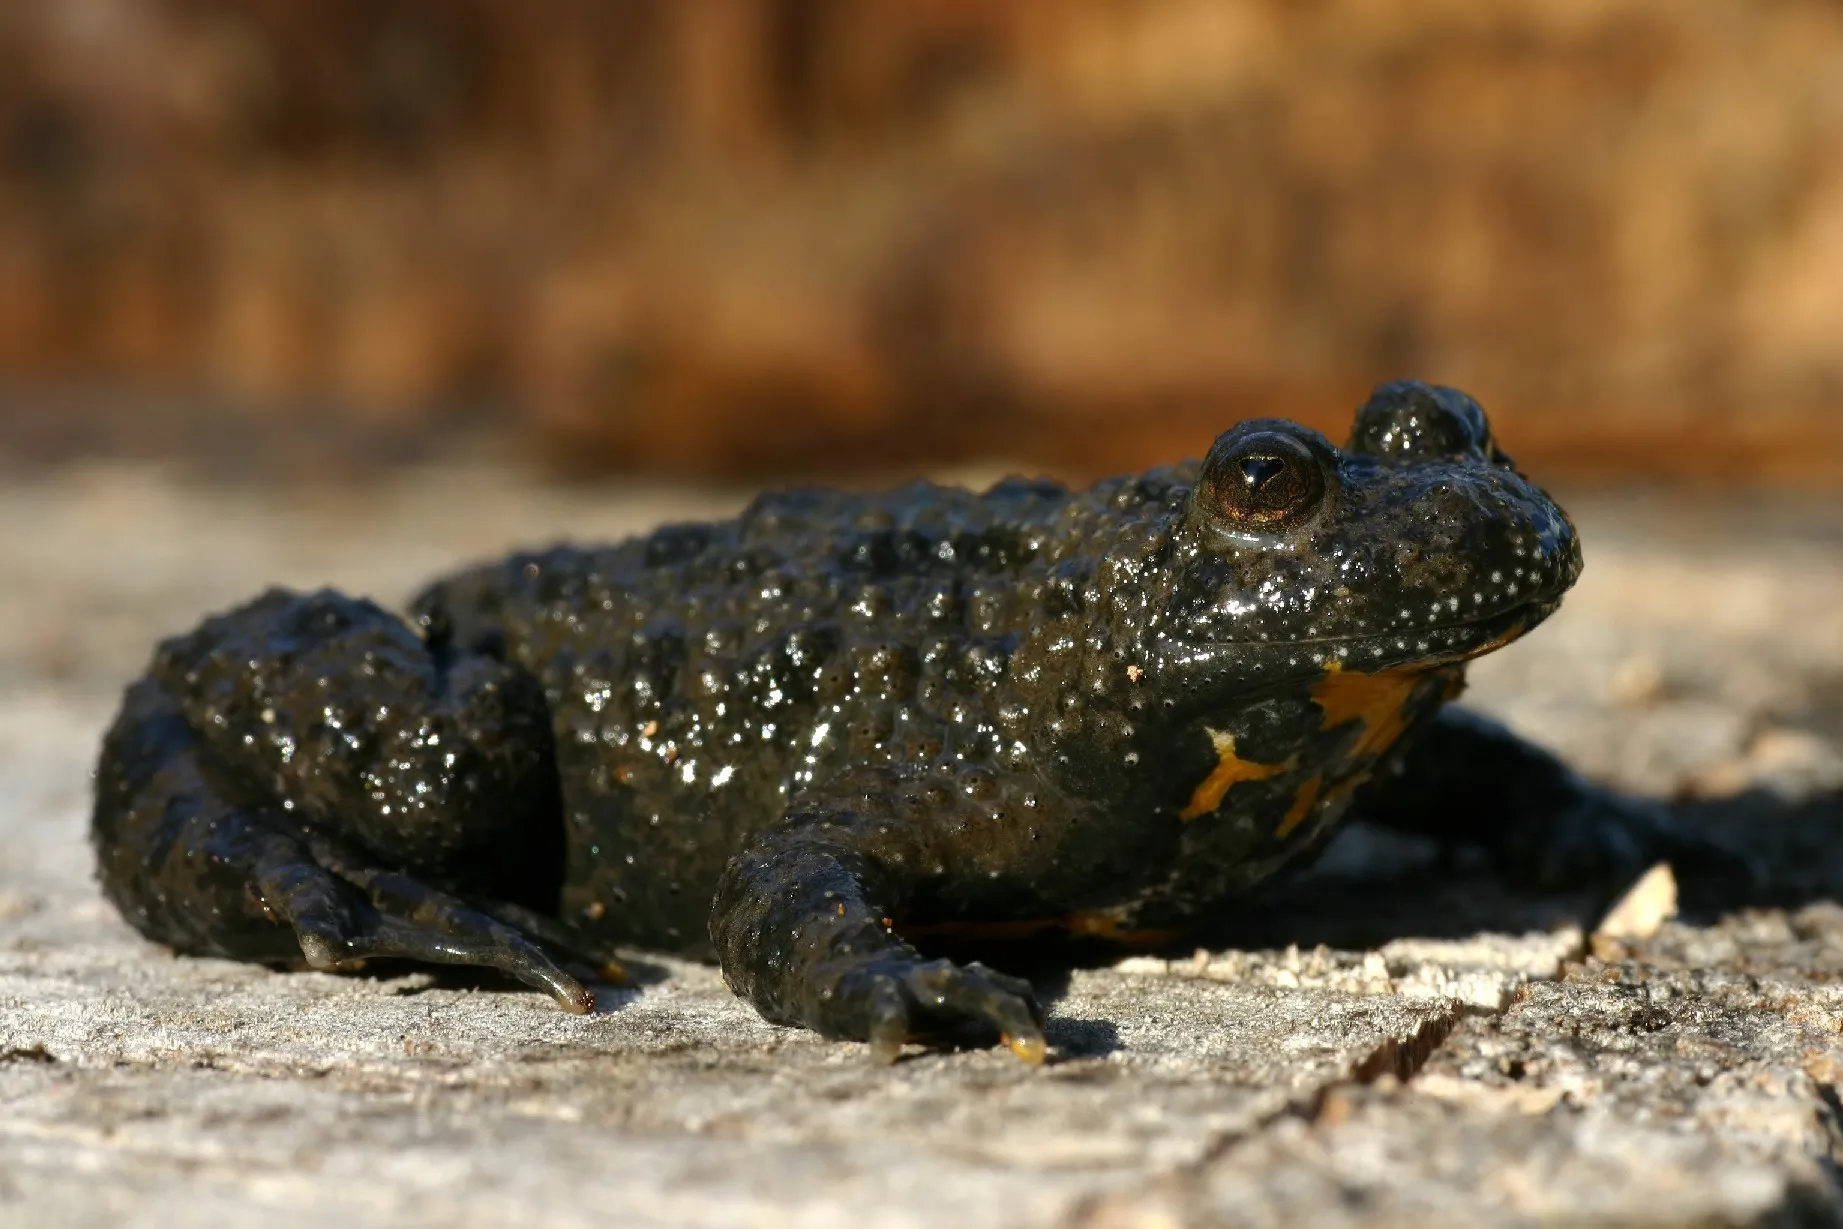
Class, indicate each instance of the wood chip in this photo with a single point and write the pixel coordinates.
(1643, 909)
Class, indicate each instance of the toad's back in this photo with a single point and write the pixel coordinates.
(699, 678)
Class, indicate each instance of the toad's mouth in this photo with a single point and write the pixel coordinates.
(1278, 659)
(1523, 617)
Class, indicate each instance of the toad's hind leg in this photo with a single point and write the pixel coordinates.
(306, 778)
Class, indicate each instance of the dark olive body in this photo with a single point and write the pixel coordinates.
(799, 740)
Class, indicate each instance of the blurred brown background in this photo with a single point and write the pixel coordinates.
(752, 237)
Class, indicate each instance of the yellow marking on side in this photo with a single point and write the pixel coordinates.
(1493, 645)
(1108, 926)
(1378, 701)
(1302, 806)
(1230, 770)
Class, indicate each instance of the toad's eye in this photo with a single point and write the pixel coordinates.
(1409, 421)
(1260, 479)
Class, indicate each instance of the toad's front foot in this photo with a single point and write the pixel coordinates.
(893, 999)
(1471, 781)
(800, 923)
(1605, 839)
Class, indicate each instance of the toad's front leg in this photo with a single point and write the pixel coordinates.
(802, 924)
(1469, 780)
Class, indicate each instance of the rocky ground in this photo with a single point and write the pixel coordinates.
(1399, 1041)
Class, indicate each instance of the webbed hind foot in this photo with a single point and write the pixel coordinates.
(392, 915)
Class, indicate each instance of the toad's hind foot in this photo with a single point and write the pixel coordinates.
(393, 916)
(193, 865)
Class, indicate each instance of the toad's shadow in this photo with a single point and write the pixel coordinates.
(409, 978)
(1374, 886)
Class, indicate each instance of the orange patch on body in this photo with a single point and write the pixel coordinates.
(1230, 770)
(1108, 926)
(1379, 701)
(1303, 803)
(1497, 642)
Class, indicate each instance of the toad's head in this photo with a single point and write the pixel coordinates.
(1416, 544)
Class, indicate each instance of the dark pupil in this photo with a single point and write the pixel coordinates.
(1257, 472)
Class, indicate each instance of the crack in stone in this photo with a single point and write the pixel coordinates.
(1403, 1057)
(1395, 1058)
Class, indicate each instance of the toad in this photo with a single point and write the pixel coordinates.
(801, 741)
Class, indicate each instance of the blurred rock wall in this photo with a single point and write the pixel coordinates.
(729, 235)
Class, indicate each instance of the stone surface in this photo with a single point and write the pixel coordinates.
(1395, 1040)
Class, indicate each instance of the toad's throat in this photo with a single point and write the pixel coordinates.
(1215, 667)
(1378, 703)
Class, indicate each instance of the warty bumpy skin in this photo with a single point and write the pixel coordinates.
(809, 739)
